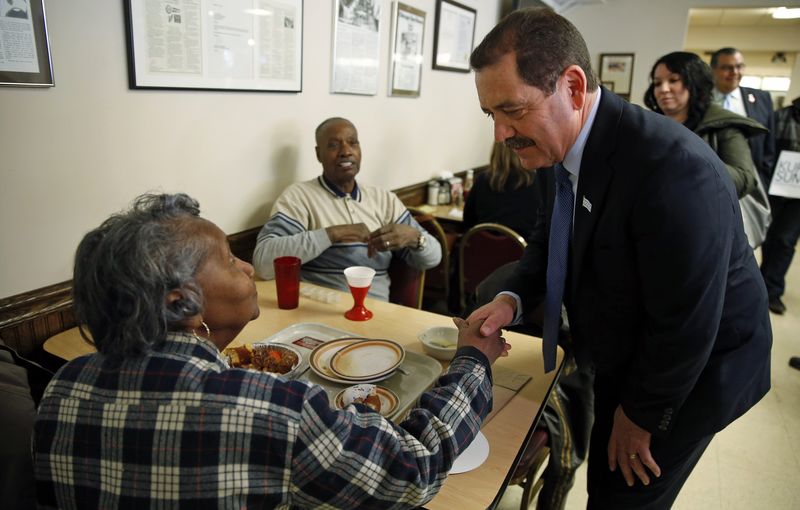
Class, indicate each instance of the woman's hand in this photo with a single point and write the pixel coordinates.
(493, 346)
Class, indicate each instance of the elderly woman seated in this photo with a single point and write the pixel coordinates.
(158, 418)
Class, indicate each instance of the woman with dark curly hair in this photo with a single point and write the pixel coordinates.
(680, 88)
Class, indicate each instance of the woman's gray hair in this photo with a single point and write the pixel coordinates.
(125, 268)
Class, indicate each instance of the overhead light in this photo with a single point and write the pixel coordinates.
(785, 13)
(779, 58)
(258, 12)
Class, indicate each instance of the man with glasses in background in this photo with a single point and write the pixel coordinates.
(728, 65)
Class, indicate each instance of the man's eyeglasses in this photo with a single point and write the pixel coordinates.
(730, 68)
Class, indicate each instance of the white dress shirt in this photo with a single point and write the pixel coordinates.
(732, 102)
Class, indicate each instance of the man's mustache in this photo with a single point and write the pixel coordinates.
(518, 142)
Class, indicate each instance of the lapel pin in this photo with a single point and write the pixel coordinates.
(586, 204)
(751, 98)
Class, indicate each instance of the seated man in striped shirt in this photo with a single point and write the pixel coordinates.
(331, 222)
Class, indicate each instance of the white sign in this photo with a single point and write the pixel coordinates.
(786, 178)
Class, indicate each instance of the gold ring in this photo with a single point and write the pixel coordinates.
(632, 456)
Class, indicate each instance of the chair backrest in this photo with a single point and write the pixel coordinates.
(437, 277)
(407, 284)
(484, 248)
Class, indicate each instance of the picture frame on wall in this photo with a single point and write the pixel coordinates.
(454, 33)
(215, 45)
(24, 45)
(616, 69)
(408, 35)
(356, 46)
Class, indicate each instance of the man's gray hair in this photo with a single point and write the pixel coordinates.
(125, 268)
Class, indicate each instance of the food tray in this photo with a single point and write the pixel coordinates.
(421, 371)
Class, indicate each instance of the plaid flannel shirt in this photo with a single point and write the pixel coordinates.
(179, 428)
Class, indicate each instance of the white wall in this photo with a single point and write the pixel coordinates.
(649, 29)
(72, 154)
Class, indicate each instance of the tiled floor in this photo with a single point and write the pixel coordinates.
(755, 462)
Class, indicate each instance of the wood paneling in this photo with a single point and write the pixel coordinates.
(244, 243)
(28, 319)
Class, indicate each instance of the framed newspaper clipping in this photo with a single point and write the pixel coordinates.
(408, 33)
(215, 44)
(453, 36)
(356, 46)
(24, 45)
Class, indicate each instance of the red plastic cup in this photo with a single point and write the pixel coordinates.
(287, 281)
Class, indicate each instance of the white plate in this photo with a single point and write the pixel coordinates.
(388, 398)
(320, 359)
(475, 455)
(366, 359)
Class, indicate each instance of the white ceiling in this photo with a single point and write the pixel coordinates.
(760, 17)
(734, 17)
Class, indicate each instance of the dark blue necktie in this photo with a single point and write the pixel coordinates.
(557, 262)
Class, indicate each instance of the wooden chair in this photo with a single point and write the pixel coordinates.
(437, 279)
(484, 248)
(407, 284)
(526, 475)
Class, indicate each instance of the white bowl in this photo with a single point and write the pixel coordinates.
(439, 342)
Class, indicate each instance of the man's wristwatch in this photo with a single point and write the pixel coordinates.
(422, 241)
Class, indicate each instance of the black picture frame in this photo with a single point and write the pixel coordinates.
(20, 72)
(205, 58)
(616, 69)
(454, 23)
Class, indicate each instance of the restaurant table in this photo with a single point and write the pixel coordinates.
(449, 214)
(507, 429)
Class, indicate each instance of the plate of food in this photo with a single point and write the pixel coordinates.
(320, 361)
(377, 398)
(274, 358)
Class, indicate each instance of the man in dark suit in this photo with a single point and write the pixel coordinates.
(728, 64)
(663, 294)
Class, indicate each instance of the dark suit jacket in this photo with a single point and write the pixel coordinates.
(663, 295)
(758, 105)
